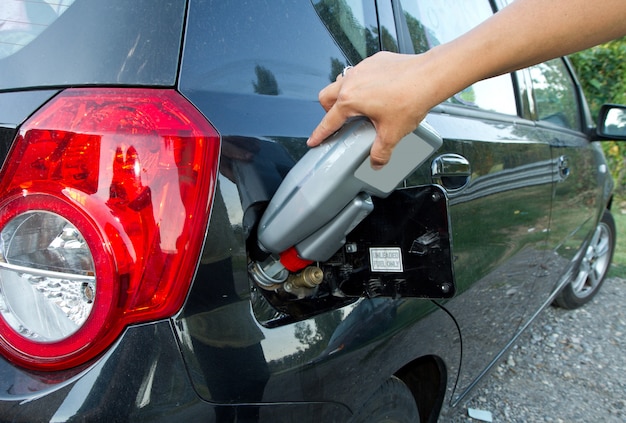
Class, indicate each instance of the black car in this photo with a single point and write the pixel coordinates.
(142, 144)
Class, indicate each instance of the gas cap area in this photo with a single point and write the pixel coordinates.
(402, 248)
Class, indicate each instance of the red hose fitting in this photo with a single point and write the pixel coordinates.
(292, 261)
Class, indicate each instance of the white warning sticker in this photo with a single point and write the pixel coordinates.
(386, 259)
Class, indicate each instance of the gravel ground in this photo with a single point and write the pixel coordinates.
(569, 366)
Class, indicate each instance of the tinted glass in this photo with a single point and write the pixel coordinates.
(22, 21)
(554, 95)
(433, 22)
(61, 42)
(353, 24)
(389, 38)
(502, 3)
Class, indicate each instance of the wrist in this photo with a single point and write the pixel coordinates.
(438, 75)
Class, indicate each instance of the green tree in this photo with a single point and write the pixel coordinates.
(602, 74)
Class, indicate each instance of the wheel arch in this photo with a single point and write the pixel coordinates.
(426, 378)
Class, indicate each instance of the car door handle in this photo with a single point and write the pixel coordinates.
(451, 171)
(564, 167)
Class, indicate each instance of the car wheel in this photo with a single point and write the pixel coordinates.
(393, 402)
(593, 267)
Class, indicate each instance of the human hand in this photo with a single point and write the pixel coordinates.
(387, 89)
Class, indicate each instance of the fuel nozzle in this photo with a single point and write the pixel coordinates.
(328, 192)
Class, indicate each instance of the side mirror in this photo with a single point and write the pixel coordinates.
(612, 122)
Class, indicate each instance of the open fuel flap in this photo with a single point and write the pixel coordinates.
(336, 228)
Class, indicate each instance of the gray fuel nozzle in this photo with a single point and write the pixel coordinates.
(328, 192)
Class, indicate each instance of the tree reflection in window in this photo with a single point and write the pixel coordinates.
(554, 95)
(353, 26)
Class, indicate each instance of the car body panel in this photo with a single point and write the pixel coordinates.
(152, 385)
(150, 376)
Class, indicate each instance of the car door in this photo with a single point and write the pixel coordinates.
(560, 115)
(498, 178)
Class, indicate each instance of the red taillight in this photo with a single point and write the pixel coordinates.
(104, 203)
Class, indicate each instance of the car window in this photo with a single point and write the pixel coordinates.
(354, 26)
(554, 95)
(22, 21)
(502, 3)
(387, 25)
(434, 22)
(45, 43)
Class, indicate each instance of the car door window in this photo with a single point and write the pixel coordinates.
(434, 22)
(353, 25)
(387, 25)
(554, 95)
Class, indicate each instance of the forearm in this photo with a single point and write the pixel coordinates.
(528, 32)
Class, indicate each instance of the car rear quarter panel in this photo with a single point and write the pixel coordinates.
(255, 73)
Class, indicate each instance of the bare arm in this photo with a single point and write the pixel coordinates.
(396, 91)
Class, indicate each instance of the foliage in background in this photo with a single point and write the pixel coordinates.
(602, 74)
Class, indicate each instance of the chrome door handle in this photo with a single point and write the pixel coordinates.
(564, 167)
(451, 171)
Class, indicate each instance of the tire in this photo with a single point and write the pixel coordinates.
(593, 267)
(392, 402)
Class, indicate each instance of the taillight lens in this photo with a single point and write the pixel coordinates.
(104, 203)
(47, 267)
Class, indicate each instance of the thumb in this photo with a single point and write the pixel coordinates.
(380, 152)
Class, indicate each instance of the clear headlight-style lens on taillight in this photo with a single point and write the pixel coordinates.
(104, 203)
(46, 266)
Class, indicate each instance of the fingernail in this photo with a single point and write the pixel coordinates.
(377, 167)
